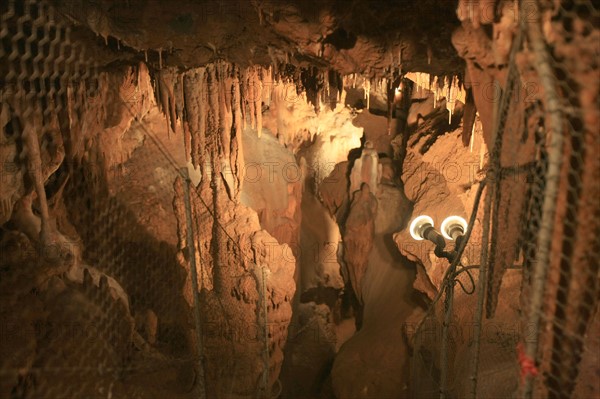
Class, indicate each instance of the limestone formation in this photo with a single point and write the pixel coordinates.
(212, 199)
(366, 170)
(358, 236)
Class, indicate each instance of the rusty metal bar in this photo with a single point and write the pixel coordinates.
(200, 386)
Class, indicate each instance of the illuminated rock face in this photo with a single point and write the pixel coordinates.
(247, 270)
(366, 170)
(358, 236)
(301, 195)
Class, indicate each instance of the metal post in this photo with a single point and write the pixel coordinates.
(554, 125)
(448, 303)
(266, 332)
(481, 290)
(191, 250)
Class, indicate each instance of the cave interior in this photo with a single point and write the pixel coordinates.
(227, 199)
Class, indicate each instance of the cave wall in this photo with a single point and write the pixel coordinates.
(312, 136)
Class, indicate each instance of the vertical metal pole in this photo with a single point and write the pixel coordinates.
(191, 250)
(554, 125)
(481, 290)
(266, 332)
(448, 303)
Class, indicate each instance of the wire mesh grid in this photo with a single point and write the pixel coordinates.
(241, 352)
(567, 359)
(567, 363)
(92, 299)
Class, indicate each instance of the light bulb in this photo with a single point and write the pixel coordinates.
(419, 225)
(453, 226)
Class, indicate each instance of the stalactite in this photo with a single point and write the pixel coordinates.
(482, 152)
(225, 120)
(390, 103)
(400, 57)
(449, 98)
(453, 93)
(472, 140)
(212, 128)
(225, 126)
(274, 60)
(436, 88)
(422, 81)
(367, 89)
(258, 101)
(326, 88)
(244, 94)
(179, 99)
(214, 120)
(469, 115)
(250, 96)
(166, 81)
(237, 149)
(187, 141)
(267, 88)
(194, 83)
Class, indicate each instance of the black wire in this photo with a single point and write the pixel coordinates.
(465, 269)
(461, 248)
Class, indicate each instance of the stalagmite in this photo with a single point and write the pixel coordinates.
(366, 170)
(358, 237)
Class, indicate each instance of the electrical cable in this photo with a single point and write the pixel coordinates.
(446, 278)
(464, 269)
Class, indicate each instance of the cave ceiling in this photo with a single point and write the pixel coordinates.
(368, 37)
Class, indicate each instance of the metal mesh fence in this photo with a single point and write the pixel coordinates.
(540, 217)
(567, 356)
(97, 301)
(241, 352)
(93, 297)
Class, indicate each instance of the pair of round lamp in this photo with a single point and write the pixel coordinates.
(422, 227)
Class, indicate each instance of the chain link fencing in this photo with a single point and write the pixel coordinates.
(96, 276)
(105, 307)
(540, 221)
(565, 343)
